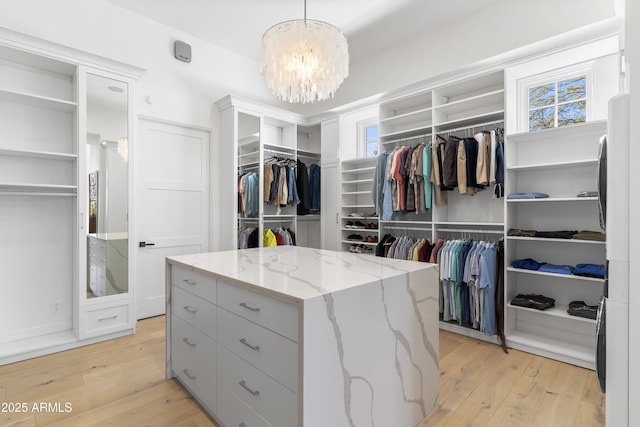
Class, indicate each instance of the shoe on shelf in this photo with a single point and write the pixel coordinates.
(355, 237)
(356, 215)
(373, 239)
(349, 224)
(361, 249)
(359, 224)
(372, 226)
(353, 248)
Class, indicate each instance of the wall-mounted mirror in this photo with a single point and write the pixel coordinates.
(108, 152)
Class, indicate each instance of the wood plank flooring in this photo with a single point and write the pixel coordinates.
(121, 383)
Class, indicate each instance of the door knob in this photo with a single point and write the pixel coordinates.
(145, 244)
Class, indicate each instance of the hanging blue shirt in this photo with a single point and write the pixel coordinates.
(486, 282)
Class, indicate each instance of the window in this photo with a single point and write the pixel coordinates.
(368, 138)
(371, 140)
(558, 103)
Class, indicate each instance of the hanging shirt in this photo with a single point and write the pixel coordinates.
(436, 174)
(486, 282)
(378, 182)
(269, 239)
(483, 168)
(426, 174)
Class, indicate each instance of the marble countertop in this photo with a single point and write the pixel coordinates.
(297, 272)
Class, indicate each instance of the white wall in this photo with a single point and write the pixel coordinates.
(501, 27)
(181, 92)
(185, 92)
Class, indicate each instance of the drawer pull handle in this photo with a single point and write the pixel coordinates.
(190, 310)
(244, 385)
(186, 372)
(248, 307)
(189, 281)
(252, 347)
(186, 341)
(115, 316)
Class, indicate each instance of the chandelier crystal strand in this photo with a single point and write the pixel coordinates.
(304, 60)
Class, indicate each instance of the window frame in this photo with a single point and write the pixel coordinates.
(362, 137)
(524, 85)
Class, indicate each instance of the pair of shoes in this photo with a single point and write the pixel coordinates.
(359, 224)
(372, 226)
(349, 224)
(356, 215)
(354, 237)
(370, 239)
(353, 248)
(539, 302)
(580, 309)
(362, 249)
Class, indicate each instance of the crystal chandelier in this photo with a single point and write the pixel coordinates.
(304, 60)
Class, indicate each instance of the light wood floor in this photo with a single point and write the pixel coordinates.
(121, 383)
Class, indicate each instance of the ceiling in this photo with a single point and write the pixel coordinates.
(238, 25)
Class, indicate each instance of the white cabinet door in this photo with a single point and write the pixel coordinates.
(171, 205)
(329, 188)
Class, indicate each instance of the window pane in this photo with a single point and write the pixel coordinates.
(541, 119)
(540, 96)
(572, 113)
(372, 149)
(372, 133)
(572, 89)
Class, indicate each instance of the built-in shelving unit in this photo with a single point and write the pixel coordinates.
(256, 135)
(356, 199)
(553, 332)
(461, 108)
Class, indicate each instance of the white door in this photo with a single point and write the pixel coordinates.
(171, 205)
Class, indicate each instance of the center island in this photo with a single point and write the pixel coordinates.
(290, 336)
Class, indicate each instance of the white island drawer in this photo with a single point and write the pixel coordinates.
(273, 354)
(234, 412)
(194, 310)
(193, 376)
(195, 282)
(267, 397)
(273, 314)
(194, 344)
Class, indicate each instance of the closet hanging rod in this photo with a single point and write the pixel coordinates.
(477, 125)
(469, 230)
(396, 227)
(284, 153)
(408, 138)
(309, 156)
(249, 168)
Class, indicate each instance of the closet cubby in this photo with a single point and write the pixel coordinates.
(553, 332)
(254, 136)
(43, 206)
(357, 206)
(38, 197)
(469, 103)
(461, 108)
(405, 117)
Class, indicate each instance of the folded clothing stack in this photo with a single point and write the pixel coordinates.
(587, 270)
(579, 308)
(590, 270)
(514, 196)
(559, 234)
(539, 302)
